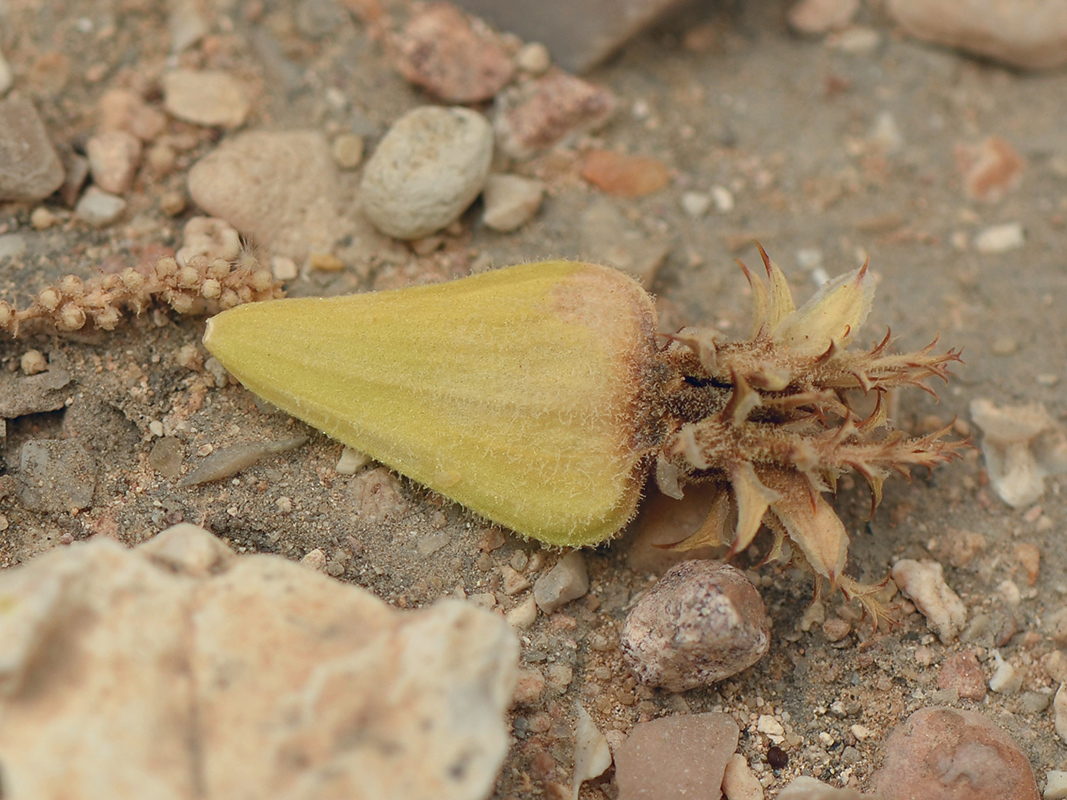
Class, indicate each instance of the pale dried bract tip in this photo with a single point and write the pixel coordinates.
(772, 422)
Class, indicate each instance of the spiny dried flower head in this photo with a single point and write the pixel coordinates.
(772, 421)
(540, 397)
(200, 286)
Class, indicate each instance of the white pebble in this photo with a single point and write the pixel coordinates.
(1006, 679)
(534, 58)
(98, 208)
(351, 461)
(510, 201)
(592, 755)
(1000, 238)
(695, 204)
(1055, 785)
(772, 727)
(724, 199)
(923, 582)
(861, 732)
(7, 77)
(426, 171)
(284, 268)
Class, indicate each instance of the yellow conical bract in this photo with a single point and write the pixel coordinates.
(518, 393)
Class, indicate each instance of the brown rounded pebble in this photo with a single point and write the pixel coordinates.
(701, 623)
(949, 754)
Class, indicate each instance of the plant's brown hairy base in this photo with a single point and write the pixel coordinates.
(773, 422)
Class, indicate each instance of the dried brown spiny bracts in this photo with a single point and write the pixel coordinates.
(200, 286)
(772, 420)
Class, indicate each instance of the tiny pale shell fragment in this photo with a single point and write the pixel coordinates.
(1000, 238)
(923, 582)
(1006, 679)
(592, 755)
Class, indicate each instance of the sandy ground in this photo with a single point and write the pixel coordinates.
(844, 153)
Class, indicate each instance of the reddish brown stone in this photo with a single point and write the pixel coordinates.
(948, 754)
(625, 175)
(441, 51)
(963, 673)
(548, 110)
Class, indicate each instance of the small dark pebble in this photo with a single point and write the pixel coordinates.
(777, 757)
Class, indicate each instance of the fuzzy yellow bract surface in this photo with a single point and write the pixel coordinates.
(518, 393)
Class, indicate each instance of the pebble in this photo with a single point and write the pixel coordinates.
(1059, 711)
(695, 204)
(512, 581)
(166, 457)
(1032, 35)
(99, 208)
(347, 150)
(805, 788)
(533, 58)
(578, 34)
(546, 111)
(923, 582)
(943, 752)
(228, 461)
(186, 24)
(113, 160)
(963, 674)
(510, 201)
(33, 362)
(855, 40)
(989, 170)
(56, 476)
(675, 757)
(529, 687)
(703, 622)
(739, 782)
(567, 580)
(316, 19)
(624, 175)
(426, 171)
(124, 110)
(290, 662)
(524, 615)
(33, 394)
(440, 51)
(1055, 785)
(813, 17)
(12, 246)
(351, 461)
(207, 97)
(295, 208)
(592, 753)
(29, 167)
(1021, 445)
(1000, 238)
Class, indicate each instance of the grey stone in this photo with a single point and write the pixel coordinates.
(30, 169)
(567, 580)
(34, 394)
(99, 208)
(426, 170)
(56, 476)
(510, 201)
(579, 33)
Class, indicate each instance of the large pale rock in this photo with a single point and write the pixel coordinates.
(427, 170)
(281, 189)
(178, 670)
(1023, 33)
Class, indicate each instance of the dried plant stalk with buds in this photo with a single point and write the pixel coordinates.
(200, 286)
(772, 421)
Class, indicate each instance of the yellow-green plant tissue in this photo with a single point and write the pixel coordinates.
(517, 393)
(540, 396)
